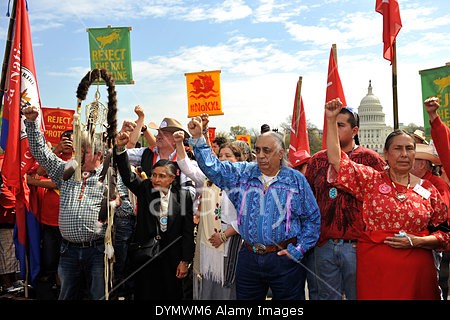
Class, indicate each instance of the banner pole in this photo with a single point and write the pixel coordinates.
(7, 54)
(394, 85)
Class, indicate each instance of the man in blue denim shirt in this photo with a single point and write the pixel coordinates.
(278, 216)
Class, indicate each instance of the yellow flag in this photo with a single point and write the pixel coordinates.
(203, 92)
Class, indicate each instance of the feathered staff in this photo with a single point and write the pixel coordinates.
(95, 117)
(95, 112)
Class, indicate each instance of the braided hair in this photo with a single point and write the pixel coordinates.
(82, 90)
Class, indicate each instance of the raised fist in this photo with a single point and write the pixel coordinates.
(30, 113)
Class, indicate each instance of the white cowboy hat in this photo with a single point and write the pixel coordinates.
(425, 152)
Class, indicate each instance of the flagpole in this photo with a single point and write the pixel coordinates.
(297, 104)
(334, 48)
(7, 54)
(299, 87)
(394, 85)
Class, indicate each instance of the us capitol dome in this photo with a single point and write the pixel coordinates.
(372, 125)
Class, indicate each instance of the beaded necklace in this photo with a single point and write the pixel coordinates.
(266, 180)
(401, 196)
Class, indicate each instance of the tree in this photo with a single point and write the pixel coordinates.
(315, 138)
(222, 134)
(238, 130)
(254, 133)
(314, 135)
(411, 127)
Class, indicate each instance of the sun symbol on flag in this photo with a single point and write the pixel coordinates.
(25, 100)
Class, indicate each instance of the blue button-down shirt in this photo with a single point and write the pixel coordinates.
(287, 209)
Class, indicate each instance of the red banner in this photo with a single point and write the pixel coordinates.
(22, 92)
(299, 132)
(392, 24)
(334, 90)
(211, 133)
(56, 121)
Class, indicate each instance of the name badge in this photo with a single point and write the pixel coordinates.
(422, 191)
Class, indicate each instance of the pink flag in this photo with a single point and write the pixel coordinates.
(334, 90)
(392, 24)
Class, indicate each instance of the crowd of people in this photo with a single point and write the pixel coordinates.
(233, 222)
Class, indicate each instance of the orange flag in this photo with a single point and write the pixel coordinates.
(299, 131)
(246, 138)
(392, 24)
(203, 92)
(334, 90)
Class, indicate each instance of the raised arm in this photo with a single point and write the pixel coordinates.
(186, 165)
(178, 137)
(332, 109)
(224, 174)
(129, 178)
(140, 127)
(205, 131)
(431, 105)
(195, 127)
(440, 133)
(38, 147)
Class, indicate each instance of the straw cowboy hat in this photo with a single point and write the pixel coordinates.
(420, 135)
(169, 125)
(425, 152)
(299, 157)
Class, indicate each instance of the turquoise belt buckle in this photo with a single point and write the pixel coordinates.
(259, 248)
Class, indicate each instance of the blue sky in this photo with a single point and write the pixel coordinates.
(261, 48)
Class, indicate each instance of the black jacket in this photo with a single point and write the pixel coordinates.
(180, 219)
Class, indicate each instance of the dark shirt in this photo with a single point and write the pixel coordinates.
(340, 211)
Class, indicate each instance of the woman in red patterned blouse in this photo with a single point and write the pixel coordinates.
(402, 214)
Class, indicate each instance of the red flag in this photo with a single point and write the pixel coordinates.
(392, 24)
(334, 90)
(22, 91)
(299, 131)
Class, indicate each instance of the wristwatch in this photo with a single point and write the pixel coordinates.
(144, 128)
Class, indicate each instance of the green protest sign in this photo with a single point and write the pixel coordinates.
(436, 83)
(110, 49)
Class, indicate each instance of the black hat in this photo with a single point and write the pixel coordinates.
(265, 128)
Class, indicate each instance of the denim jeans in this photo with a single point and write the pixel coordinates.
(309, 265)
(51, 243)
(336, 270)
(255, 274)
(81, 269)
(123, 231)
(50, 250)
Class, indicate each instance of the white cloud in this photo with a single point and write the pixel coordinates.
(262, 47)
(271, 11)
